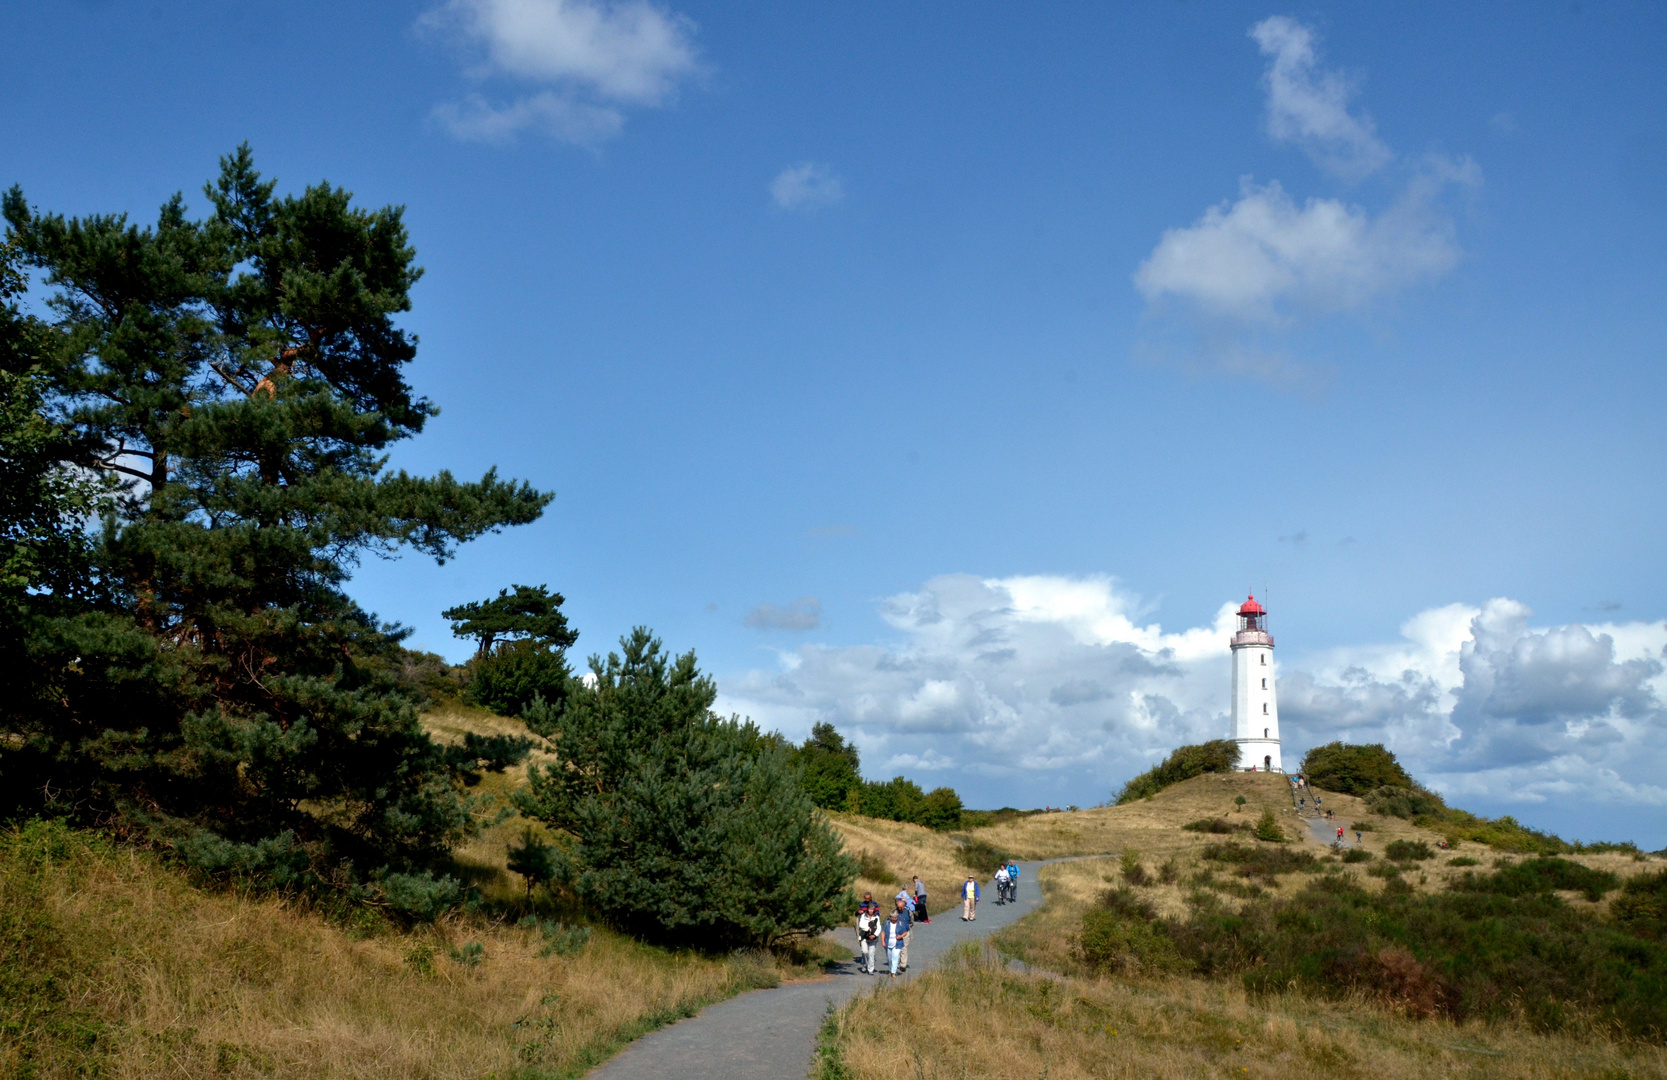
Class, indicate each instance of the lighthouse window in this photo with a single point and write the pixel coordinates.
(1264, 708)
(1264, 659)
(1264, 684)
(1264, 733)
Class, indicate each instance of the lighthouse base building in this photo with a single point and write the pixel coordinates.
(1255, 707)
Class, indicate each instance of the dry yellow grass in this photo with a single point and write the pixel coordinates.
(976, 1018)
(188, 983)
(904, 850)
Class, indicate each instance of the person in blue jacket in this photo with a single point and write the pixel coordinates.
(969, 899)
(892, 936)
(1012, 881)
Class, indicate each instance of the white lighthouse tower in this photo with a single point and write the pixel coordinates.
(1255, 708)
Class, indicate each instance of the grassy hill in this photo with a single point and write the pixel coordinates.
(1111, 994)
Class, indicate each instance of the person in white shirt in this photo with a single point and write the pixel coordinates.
(1001, 884)
(868, 931)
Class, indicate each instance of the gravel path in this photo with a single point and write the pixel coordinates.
(771, 1034)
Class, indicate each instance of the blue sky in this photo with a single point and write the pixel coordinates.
(935, 371)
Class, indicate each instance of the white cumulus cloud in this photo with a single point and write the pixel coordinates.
(1221, 291)
(806, 186)
(578, 64)
(1055, 684)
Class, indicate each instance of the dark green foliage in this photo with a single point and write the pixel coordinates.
(1384, 870)
(1215, 756)
(1263, 862)
(1408, 851)
(534, 859)
(1217, 826)
(1459, 954)
(1464, 860)
(874, 868)
(1134, 871)
(1120, 935)
(1357, 855)
(515, 677)
(1353, 769)
(978, 856)
(980, 819)
(1428, 810)
(687, 827)
(529, 613)
(1267, 828)
(1409, 803)
(897, 799)
(1641, 908)
(942, 810)
(469, 955)
(203, 677)
(831, 767)
(1541, 875)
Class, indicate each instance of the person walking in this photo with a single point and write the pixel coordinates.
(1001, 884)
(891, 938)
(870, 905)
(920, 901)
(1012, 880)
(868, 931)
(1339, 834)
(969, 899)
(1359, 837)
(907, 921)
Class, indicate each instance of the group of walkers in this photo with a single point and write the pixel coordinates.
(890, 930)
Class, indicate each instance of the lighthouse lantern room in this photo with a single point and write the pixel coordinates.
(1255, 708)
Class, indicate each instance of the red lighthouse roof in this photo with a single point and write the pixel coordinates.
(1251, 607)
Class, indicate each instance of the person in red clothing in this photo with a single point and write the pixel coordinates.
(1339, 834)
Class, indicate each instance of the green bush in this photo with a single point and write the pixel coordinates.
(1641, 909)
(1134, 871)
(1217, 826)
(1263, 862)
(510, 677)
(1357, 855)
(831, 767)
(1460, 954)
(1463, 860)
(1267, 828)
(1216, 756)
(1353, 769)
(978, 856)
(1410, 803)
(1120, 935)
(1408, 851)
(1541, 875)
(874, 868)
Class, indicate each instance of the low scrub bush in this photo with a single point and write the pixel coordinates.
(1538, 876)
(1267, 828)
(1641, 908)
(1462, 954)
(1263, 862)
(1464, 860)
(1357, 855)
(874, 868)
(1215, 756)
(1217, 826)
(978, 855)
(1384, 870)
(1134, 871)
(1408, 851)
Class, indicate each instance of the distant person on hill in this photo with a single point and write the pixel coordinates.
(906, 900)
(868, 931)
(969, 899)
(1001, 884)
(1012, 880)
(892, 936)
(920, 901)
(1359, 837)
(907, 921)
(1339, 834)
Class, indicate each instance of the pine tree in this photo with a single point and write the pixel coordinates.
(831, 766)
(522, 653)
(688, 828)
(241, 376)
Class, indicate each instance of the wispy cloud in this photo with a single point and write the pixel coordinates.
(804, 613)
(806, 186)
(1309, 106)
(1033, 678)
(575, 65)
(1222, 291)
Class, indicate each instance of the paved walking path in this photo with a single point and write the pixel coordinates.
(771, 1034)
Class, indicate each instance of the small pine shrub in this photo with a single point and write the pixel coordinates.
(1169, 873)
(1267, 828)
(469, 956)
(560, 939)
(420, 959)
(1134, 871)
(1240, 801)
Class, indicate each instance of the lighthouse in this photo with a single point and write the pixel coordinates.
(1255, 708)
